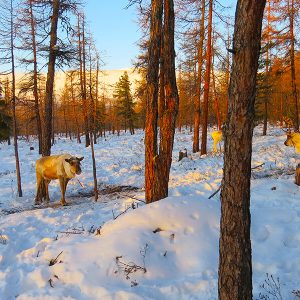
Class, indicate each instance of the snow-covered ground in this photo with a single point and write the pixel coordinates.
(166, 250)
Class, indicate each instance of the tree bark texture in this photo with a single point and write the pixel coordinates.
(157, 165)
(35, 77)
(297, 175)
(12, 48)
(235, 263)
(197, 109)
(94, 168)
(168, 120)
(206, 81)
(292, 60)
(81, 54)
(152, 99)
(266, 100)
(47, 133)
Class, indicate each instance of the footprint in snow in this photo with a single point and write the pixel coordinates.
(262, 234)
(188, 230)
(292, 241)
(195, 216)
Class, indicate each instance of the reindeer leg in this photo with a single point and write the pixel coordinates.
(215, 148)
(38, 196)
(47, 189)
(66, 183)
(63, 186)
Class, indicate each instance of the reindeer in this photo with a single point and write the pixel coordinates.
(62, 167)
(292, 138)
(217, 137)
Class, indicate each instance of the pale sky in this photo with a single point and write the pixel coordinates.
(115, 30)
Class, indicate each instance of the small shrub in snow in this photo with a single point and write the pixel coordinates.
(271, 289)
(131, 267)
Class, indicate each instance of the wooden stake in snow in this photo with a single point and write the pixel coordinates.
(182, 154)
(297, 175)
(94, 167)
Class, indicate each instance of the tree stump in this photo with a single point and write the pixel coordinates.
(182, 154)
(297, 175)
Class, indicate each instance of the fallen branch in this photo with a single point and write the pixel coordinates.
(51, 282)
(257, 166)
(123, 212)
(71, 232)
(80, 182)
(215, 192)
(54, 261)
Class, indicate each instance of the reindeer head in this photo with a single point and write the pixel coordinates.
(75, 164)
(289, 134)
(292, 140)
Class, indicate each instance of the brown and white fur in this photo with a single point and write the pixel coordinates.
(293, 140)
(217, 137)
(62, 167)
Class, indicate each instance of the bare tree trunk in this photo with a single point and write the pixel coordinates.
(12, 47)
(265, 127)
(227, 74)
(47, 133)
(81, 52)
(281, 111)
(168, 120)
(197, 110)
(291, 10)
(75, 113)
(35, 78)
(94, 168)
(97, 100)
(216, 99)
(91, 111)
(162, 96)
(65, 120)
(235, 262)
(207, 81)
(152, 99)
(157, 168)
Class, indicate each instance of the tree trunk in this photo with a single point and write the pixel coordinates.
(158, 165)
(292, 59)
(47, 133)
(197, 99)
(12, 47)
(152, 99)
(97, 100)
(35, 78)
(216, 99)
(162, 96)
(227, 72)
(81, 53)
(168, 120)
(297, 175)
(207, 81)
(75, 112)
(94, 168)
(235, 266)
(265, 127)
